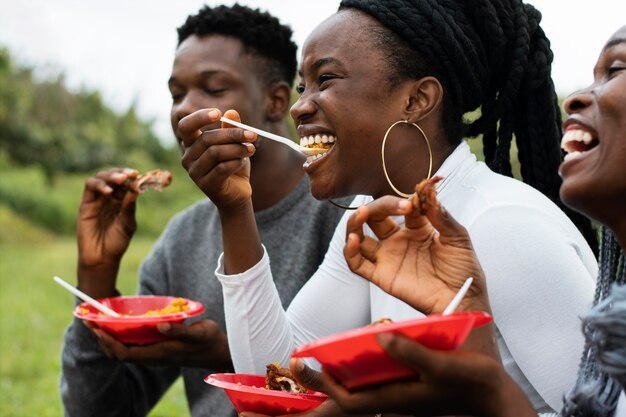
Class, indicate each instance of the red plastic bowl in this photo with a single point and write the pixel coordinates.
(248, 393)
(135, 329)
(356, 359)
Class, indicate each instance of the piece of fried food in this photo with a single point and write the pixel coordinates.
(278, 378)
(156, 179)
(382, 320)
(425, 194)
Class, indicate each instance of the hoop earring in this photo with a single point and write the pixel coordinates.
(382, 151)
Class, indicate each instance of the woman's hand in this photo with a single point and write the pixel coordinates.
(202, 344)
(424, 263)
(449, 383)
(217, 160)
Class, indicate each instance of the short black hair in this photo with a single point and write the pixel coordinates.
(261, 34)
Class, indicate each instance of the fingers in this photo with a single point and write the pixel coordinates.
(378, 214)
(190, 125)
(306, 376)
(357, 262)
(204, 331)
(410, 353)
(106, 182)
(446, 225)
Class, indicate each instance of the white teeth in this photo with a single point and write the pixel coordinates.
(318, 139)
(324, 139)
(586, 137)
(572, 155)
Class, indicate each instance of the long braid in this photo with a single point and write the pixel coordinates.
(490, 55)
(602, 371)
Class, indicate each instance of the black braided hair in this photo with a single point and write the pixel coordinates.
(602, 371)
(491, 56)
(261, 34)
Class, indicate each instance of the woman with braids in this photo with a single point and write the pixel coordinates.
(383, 89)
(594, 183)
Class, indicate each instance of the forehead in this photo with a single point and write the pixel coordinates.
(343, 35)
(221, 52)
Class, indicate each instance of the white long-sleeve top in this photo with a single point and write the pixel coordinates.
(540, 277)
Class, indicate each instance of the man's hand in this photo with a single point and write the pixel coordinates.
(199, 345)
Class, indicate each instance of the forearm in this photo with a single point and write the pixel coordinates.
(257, 326)
(240, 236)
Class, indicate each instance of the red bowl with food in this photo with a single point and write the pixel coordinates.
(140, 315)
(248, 393)
(356, 359)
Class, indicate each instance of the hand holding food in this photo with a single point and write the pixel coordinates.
(424, 262)
(217, 159)
(202, 344)
(106, 223)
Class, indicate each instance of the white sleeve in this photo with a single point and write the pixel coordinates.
(540, 281)
(261, 332)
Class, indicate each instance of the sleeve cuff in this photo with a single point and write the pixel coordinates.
(240, 279)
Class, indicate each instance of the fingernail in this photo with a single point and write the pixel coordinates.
(117, 175)
(250, 147)
(214, 114)
(128, 170)
(299, 365)
(249, 135)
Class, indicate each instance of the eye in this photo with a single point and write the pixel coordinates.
(177, 97)
(325, 78)
(300, 89)
(612, 70)
(215, 91)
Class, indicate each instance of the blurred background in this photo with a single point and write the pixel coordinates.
(83, 86)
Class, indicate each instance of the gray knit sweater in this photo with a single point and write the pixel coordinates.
(295, 232)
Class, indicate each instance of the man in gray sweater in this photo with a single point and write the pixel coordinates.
(227, 58)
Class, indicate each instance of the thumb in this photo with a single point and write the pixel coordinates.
(232, 115)
(306, 376)
(409, 353)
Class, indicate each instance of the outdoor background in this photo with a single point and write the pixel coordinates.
(83, 86)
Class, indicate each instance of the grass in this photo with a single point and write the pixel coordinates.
(34, 312)
(37, 242)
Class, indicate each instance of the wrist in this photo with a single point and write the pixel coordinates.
(98, 281)
(507, 399)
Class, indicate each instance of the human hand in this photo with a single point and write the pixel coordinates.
(217, 160)
(199, 345)
(449, 383)
(424, 263)
(106, 219)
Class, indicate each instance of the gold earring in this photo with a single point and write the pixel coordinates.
(382, 151)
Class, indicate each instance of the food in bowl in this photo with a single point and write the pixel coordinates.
(278, 378)
(135, 326)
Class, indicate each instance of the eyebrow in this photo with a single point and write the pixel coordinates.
(614, 42)
(321, 62)
(204, 73)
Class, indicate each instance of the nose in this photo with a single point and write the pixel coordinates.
(578, 101)
(302, 110)
(189, 103)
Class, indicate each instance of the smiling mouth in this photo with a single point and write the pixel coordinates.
(319, 145)
(577, 142)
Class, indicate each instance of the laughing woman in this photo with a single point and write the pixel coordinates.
(594, 182)
(386, 84)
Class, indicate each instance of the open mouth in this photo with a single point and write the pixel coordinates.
(577, 142)
(317, 146)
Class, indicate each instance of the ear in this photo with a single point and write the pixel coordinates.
(425, 96)
(278, 101)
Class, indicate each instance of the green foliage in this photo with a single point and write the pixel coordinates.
(44, 124)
